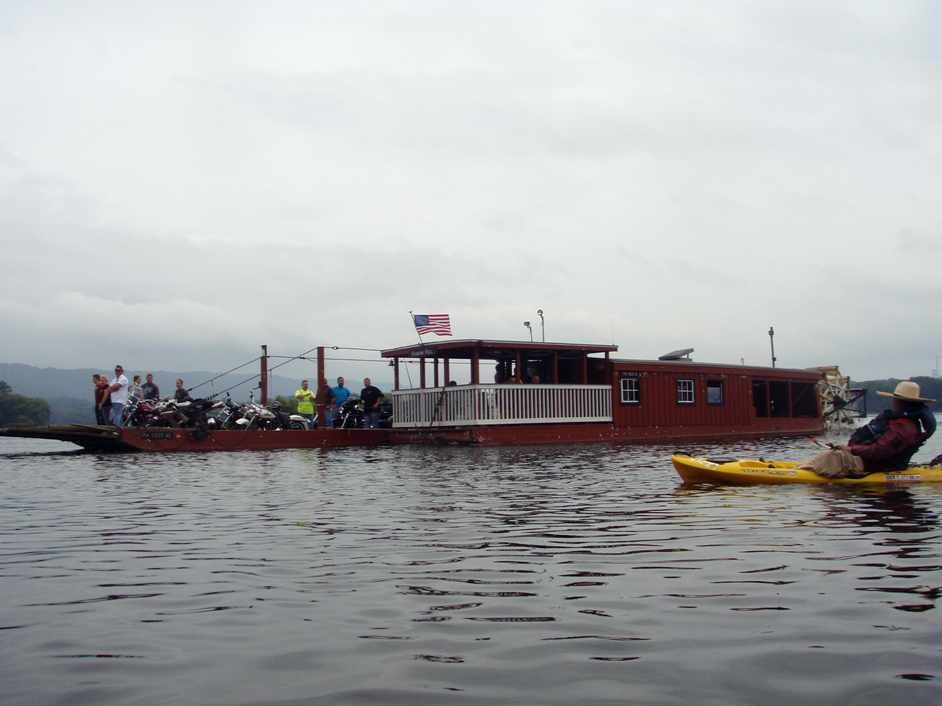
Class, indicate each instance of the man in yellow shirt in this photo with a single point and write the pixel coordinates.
(305, 397)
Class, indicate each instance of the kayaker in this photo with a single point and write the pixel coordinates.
(886, 443)
(305, 397)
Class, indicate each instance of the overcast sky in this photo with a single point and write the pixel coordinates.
(182, 181)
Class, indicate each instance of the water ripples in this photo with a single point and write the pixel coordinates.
(544, 575)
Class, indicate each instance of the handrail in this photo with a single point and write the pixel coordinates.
(472, 405)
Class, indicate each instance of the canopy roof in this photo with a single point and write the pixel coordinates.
(494, 350)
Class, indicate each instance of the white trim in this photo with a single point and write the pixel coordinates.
(692, 390)
(480, 405)
(622, 389)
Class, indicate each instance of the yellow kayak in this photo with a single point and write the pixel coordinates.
(750, 472)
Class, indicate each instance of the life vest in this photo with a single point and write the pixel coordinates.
(876, 427)
(305, 400)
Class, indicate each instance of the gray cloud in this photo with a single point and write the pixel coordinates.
(177, 186)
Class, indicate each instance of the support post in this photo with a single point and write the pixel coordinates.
(422, 373)
(584, 370)
(476, 366)
(518, 373)
(555, 367)
(319, 395)
(396, 373)
(263, 375)
(435, 363)
(772, 344)
(447, 372)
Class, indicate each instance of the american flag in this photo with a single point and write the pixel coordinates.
(432, 323)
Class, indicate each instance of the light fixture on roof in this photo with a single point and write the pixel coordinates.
(527, 324)
(539, 312)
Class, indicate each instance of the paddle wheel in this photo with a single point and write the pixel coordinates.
(841, 404)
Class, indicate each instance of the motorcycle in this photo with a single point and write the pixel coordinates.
(270, 418)
(385, 420)
(141, 413)
(350, 415)
(225, 415)
(189, 414)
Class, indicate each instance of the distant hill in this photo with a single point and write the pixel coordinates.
(929, 387)
(69, 392)
(57, 382)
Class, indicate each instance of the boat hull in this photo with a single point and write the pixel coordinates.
(163, 439)
(761, 472)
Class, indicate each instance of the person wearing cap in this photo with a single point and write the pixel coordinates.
(118, 387)
(886, 443)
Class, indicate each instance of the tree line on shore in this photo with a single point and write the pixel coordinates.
(19, 409)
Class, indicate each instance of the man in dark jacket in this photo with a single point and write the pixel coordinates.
(885, 444)
(149, 389)
(181, 394)
(370, 395)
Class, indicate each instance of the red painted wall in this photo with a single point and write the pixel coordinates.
(659, 407)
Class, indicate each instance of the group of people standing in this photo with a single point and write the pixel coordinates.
(111, 395)
(333, 399)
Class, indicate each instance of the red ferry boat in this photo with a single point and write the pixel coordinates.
(541, 393)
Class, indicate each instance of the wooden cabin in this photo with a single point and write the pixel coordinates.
(570, 392)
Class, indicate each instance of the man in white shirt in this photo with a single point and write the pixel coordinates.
(119, 394)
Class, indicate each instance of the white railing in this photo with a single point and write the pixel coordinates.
(501, 404)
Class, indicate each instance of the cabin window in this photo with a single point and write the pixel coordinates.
(804, 399)
(715, 392)
(760, 398)
(630, 388)
(685, 392)
(778, 398)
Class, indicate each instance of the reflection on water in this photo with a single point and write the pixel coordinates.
(582, 574)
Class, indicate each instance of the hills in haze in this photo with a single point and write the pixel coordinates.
(929, 387)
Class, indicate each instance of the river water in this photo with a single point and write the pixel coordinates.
(538, 575)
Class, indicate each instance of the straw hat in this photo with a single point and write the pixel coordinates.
(908, 391)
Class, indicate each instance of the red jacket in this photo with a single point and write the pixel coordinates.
(892, 450)
(102, 394)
